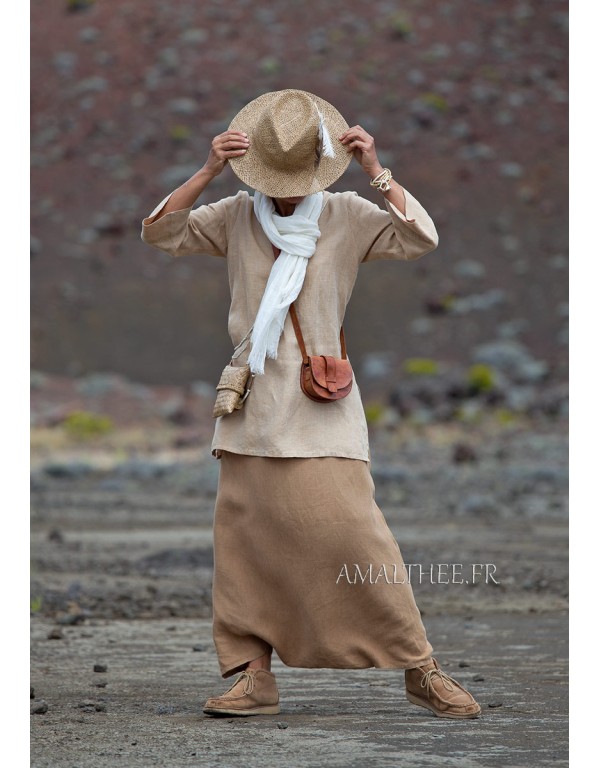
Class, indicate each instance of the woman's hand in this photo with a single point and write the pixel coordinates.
(358, 141)
(224, 146)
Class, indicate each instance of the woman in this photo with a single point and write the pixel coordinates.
(295, 515)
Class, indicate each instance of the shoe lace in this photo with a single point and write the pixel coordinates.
(249, 680)
(447, 681)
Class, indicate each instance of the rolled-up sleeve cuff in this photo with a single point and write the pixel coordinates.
(418, 220)
(409, 218)
(417, 224)
(155, 231)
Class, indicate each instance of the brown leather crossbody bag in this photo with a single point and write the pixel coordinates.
(323, 378)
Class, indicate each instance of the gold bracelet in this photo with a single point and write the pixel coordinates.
(382, 180)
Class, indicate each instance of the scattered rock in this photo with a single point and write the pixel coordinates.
(520, 398)
(463, 664)
(203, 389)
(100, 668)
(35, 246)
(55, 634)
(183, 106)
(495, 704)
(282, 725)
(476, 151)
(559, 261)
(469, 268)
(463, 453)
(99, 384)
(169, 60)
(176, 411)
(377, 365)
(95, 84)
(511, 170)
(478, 678)
(460, 129)
(481, 301)
(421, 325)
(40, 708)
(64, 63)
(31, 692)
(165, 709)
(89, 35)
(416, 77)
(512, 328)
(478, 505)
(512, 358)
(70, 619)
(67, 469)
(198, 648)
(194, 36)
(108, 224)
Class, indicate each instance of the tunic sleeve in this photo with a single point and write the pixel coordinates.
(202, 230)
(389, 234)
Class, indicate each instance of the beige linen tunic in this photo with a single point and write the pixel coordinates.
(278, 419)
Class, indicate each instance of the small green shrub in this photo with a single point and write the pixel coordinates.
(84, 426)
(481, 377)
(374, 412)
(447, 301)
(505, 416)
(270, 65)
(435, 100)
(400, 26)
(35, 604)
(420, 366)
(180, 132)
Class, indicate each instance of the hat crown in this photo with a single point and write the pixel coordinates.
(294, 149)
(287, 133)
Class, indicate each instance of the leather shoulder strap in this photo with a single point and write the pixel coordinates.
(298, 330)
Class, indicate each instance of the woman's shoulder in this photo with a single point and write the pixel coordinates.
(348, 201)
(228, 207)
(241, 199)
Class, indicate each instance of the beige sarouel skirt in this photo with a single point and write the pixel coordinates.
(293, 542)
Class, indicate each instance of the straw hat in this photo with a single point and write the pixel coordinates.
(294, 146)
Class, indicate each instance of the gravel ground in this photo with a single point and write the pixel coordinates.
(148, 711)
(121, 578)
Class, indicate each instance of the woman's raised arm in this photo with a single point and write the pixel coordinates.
(224, 146)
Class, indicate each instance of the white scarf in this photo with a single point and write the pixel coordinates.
(296, 236)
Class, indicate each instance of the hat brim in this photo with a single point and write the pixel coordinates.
(252, 170)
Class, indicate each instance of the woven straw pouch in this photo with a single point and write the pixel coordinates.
(231, 389)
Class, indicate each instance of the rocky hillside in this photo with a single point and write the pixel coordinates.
(467, 100)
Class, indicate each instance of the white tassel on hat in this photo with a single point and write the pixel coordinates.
(325, 145)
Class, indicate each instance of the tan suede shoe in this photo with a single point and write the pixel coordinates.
(429, 687)
(253, 693)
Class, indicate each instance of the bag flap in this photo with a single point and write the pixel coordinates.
(336, 370)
